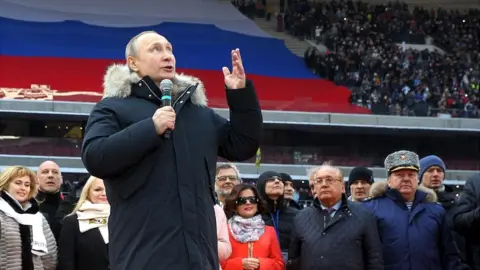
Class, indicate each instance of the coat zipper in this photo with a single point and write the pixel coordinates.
(174, 103)
(151, 91)
(180, 97)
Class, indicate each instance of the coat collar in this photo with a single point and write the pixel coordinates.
(423, 194)
(120, 82)
(31, 208)
(343, 205)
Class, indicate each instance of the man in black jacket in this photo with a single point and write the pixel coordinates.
(49, 196)
(334, 233)
(161, 189)
(271, 188)
(289, 191)
(432, 176)
(466, 220)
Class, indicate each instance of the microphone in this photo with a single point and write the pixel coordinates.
(166, 88)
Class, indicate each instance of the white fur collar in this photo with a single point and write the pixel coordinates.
(118, 81)
(379, 188)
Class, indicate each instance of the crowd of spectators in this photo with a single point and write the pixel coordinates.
(370, 53)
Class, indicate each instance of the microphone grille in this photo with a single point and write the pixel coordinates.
(166, 84)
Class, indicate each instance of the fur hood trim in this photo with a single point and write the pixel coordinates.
(118, 81)
(379, 189)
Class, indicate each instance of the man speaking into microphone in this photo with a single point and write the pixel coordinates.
(160, 188)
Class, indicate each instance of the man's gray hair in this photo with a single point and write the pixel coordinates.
(326, 165)
(226, 166)
(131, 49)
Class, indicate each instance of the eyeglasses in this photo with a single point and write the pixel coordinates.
(327, 180)
(245, 200)
(227, 177)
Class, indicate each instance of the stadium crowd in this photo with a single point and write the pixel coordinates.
(370, 53)
(395, 79)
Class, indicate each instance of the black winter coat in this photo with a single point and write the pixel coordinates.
(466, 220)
(49, 204)
(279, 215)
(349, 241)
(448, 200)
(81, 251)
(161, 190)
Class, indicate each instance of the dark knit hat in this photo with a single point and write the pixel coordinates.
(286, 177)
(360, 173)
(430, 161)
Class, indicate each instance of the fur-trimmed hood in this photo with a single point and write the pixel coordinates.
(118, 81)
(379, 189)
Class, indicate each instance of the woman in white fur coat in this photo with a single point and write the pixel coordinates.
(83, 243)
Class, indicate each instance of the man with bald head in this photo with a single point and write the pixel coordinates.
(161, 188)
(50, 180)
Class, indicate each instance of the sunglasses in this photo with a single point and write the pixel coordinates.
(245, 200)
(274, 178)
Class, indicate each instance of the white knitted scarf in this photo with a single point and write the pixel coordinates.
(91, 216)
(39, 242)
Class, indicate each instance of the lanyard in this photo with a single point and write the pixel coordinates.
(275, 223)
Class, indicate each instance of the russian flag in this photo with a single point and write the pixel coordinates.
(67, 45)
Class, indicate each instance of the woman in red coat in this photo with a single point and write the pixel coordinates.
(254, 245)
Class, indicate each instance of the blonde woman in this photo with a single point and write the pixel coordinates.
(83, 240)
(26, 241)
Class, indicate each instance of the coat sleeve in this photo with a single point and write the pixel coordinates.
(109, 150)
(466, 218)
(49, 260)
(372, 246)
(67, 244)
(275, 258)
(449, 250)
(240, 137)
(295, 248)
(224, 246)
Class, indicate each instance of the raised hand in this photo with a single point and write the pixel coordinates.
(235, 79)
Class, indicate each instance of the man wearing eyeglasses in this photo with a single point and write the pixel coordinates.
(334, 233)
(226, 177)
(271, 187)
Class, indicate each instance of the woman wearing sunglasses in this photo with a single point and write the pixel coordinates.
(254, 245)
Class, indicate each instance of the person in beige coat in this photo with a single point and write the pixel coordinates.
(26, 241)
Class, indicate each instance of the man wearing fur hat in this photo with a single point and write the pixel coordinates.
(413, 227)
(161, 188)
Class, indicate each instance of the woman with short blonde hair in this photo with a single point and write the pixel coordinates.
(84, 238)
(25, 234)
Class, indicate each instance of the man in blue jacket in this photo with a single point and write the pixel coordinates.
(413, 227)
